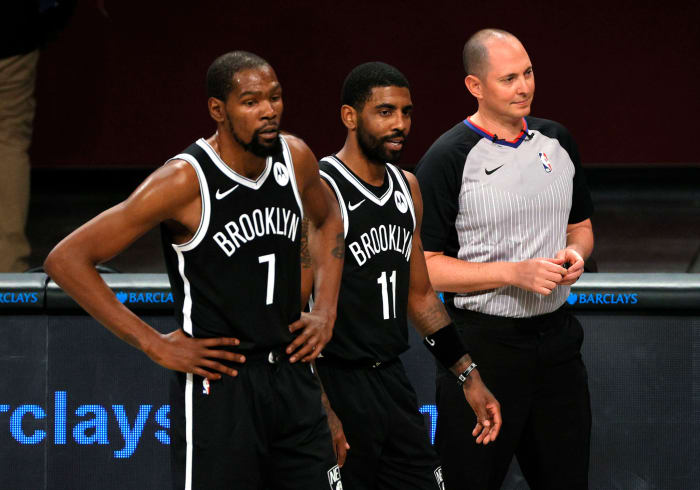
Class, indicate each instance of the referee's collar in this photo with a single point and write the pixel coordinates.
(494, 138)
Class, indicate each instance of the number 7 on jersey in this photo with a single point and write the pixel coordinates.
(270, 259)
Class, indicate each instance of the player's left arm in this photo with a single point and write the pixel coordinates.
(430, 319)
(579, 246)
(326, 248)
(307, 272)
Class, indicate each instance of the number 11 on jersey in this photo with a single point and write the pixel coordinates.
(385, 293)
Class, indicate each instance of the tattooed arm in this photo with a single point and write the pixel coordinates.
(307, 272)
(340, 443)
(428, 315)
(325, 246)
(426, 311)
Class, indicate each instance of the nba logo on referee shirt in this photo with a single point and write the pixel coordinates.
(545, 162)
(438, 478)
(205, 386)
(334, 478)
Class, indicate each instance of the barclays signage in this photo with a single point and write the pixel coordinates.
(19, 298)
(158, 297)
(603, 298)
(91, 427)
(92, 422)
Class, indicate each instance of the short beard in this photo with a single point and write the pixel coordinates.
(254, 146)
(373, 148)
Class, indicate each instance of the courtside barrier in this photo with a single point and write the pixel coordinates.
(80, 409)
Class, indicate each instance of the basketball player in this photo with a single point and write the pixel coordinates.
(384, 279)
(230, 208)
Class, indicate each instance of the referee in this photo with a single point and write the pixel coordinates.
(506, 230)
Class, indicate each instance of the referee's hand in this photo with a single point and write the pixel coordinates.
(540, 275)
(486, 408)
(575, 268)
(177, 351)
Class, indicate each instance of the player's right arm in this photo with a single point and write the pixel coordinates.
(431, 320)
(171, 195)
(327, 250)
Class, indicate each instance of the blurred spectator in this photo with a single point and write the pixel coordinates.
(24, 28)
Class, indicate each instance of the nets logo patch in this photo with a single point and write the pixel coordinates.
(334, 478)
(438, 478)
(280, 173)
(546, 163)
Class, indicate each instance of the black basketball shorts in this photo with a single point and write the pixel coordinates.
(265, 428)
(389, 444)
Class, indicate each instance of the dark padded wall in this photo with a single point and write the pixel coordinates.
(127, 87)
(23, 363)
(51, 367)
(92, 367)
(644, 374)
(644, 378)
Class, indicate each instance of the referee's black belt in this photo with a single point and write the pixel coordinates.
(535, 324)
(334, 361)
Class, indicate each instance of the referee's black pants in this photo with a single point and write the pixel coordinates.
(534, 368)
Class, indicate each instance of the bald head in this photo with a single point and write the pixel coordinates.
(475, 54)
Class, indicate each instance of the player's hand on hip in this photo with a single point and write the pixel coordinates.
(177, 351)
(486, 408)
(540, 275)
(316, 330)
(575, 261)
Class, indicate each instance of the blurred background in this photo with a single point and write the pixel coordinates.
(106, 91)
(121, 89)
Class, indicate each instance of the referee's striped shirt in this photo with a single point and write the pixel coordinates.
(490, 200)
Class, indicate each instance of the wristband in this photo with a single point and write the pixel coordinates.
(446, 345)
(463, 377)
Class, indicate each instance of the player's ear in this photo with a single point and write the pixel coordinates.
(348, 115)
(217, 109)
(474, 86)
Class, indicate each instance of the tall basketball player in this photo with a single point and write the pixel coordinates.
(384, 281)
(230, 209)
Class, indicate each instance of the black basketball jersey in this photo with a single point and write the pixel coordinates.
(239, 275)
(379, 224)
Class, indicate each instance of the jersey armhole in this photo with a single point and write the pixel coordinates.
(287, 155)
(341, 201)
(403, 183)
(206, 205)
